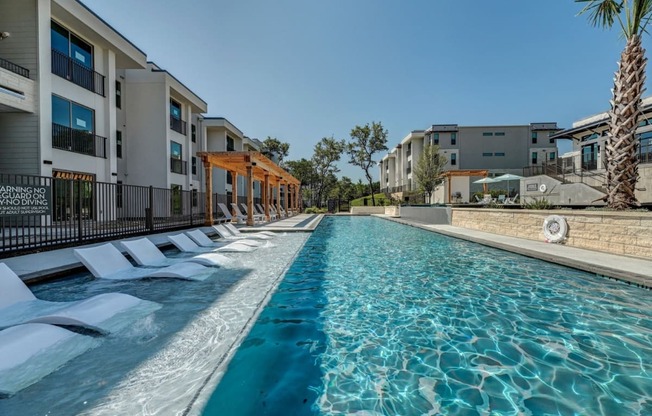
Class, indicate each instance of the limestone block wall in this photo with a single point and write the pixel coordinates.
(628, 233)
(367, 210)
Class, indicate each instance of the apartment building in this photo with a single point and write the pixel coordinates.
(586, 162)
(498, 149)
(58, 74)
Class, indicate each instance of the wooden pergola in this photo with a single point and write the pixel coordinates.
(255, 167)
(449, 175)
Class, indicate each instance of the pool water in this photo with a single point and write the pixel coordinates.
(378, 318)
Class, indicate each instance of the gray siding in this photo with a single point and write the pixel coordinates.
(19, 140)
(20, 19)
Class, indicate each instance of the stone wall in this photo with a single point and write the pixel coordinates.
(628, 233)
(367, 210)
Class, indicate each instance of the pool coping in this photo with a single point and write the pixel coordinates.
(632, 270)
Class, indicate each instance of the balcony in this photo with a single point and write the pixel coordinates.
(178, 166)
(78, 141)
(178, 125)
(16, 69)
(65, 67)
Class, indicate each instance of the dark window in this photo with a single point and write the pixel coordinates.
(487, 133)
(70, 45)
(499, 154)
(194, 165)
(194, 197)
(453, 159)
(453, 139)
(535, 136)
(645, 147)
(193, 133)
(435, 138)
(499, 133)
(487, 154)
(229, 178)
(534, 158)
(552, 155)
(175, 109)
(230, 146)
(118, 144)
(118, 195)
(118, 94)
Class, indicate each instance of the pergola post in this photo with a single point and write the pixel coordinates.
(208, 170)
(278, 198)
(266, 197)
(250, 196)
(234, 194)
(285, 198)
(299, 199)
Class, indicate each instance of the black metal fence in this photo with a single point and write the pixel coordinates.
(86, 211)
(16, 69)
(85, 77)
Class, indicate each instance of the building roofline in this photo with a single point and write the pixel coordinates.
(157, 68)
(226, 124)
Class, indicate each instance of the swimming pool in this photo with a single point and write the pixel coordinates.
(377, 318)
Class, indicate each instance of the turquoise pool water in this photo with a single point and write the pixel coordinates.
(377, 318)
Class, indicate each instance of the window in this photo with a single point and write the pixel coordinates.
(118, 144)
(499, 133)
(194, 197)
(453, 139)
(118, 195)
(193, 133)
(409, 149)
(487, 154)
(645, 147)
(487, 133)
(590, 137)
(118, 94)
(499, 154)
(175, 150)
(194, 165)
(552, 156)
(175, 110)
(230, 146)
(71, 46)
(453, 159)
(535, 136)
(534, 158)
(435, 138)
(229, 178)
(68, 114)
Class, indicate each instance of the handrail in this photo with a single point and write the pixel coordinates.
(85, 77)
(16, 69)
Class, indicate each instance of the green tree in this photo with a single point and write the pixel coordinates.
(304, 171)
(428, 169)
(366, 141)
(621, 145)
(274, 147)
(327, 152)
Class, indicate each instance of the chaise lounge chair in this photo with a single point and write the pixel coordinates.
(511, 201)
(186, 245)
(32, 351)
(227, 214)
(261, 211)
(145, 253)
(257, 217)
(103, 313)
(263, 235)
(202, 240)
(107, 262)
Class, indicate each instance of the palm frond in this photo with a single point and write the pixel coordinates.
(602, 13)
(641, 13)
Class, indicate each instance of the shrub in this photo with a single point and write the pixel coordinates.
(538, 203)
(315, 210)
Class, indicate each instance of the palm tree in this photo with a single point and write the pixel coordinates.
(621, 146)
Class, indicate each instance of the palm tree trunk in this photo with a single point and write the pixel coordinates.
(621, 146)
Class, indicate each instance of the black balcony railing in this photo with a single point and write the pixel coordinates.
(178, 125)
(16, 69)
(78, 141)
(178, 166)
(65, 67)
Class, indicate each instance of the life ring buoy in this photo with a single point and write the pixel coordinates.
(542, 187)
(555, 228)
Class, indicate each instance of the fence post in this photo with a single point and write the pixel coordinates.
(190, 206)
(149, 213)
(80, 237)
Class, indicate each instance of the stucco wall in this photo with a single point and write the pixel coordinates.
(367, 210)
(627, 233)
(430, 215)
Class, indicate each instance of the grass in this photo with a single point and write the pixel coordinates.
(380, 200)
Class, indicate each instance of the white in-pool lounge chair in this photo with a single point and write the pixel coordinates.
(186, 245)
(107, 262)
(263, 235)
(145, 253)
(257, 217)
(32, 351)
(103, 313)
(202, 239)
(227, 213)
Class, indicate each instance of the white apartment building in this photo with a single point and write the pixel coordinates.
(498, 149)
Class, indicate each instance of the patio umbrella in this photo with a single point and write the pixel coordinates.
(508, 177)
(484, 182)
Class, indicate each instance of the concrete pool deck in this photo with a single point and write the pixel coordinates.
(632, 270)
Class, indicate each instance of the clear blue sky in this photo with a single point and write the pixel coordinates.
(300, 70)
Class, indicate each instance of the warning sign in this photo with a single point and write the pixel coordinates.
(25, 200)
